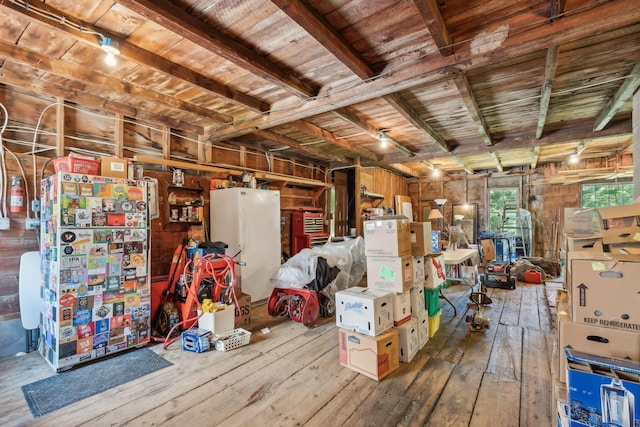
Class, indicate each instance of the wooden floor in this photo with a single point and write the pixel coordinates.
(291, 376)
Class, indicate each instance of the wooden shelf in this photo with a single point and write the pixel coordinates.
(184, 198)
(374, 198)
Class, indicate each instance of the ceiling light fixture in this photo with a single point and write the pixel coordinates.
(112, 48)
(436, 172)
(384, 140)
(573, 158)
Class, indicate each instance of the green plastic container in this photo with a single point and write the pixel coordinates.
(431, 299)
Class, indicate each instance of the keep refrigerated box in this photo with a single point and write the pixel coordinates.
(387, 236)
(364, 310)
(605, 289)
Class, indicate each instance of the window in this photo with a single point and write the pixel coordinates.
(498, 199)
(601, 195)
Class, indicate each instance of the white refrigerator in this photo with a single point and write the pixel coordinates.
(248, 220)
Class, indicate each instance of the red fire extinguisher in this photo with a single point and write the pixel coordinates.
(17, 194)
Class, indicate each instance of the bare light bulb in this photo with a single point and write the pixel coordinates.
(110, 59)
(573, 158)
(383, 140)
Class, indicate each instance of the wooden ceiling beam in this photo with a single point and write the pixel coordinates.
(290, 142)
(464, 88)
(138, 55)
(463, 165)
(435, 25)
(371, 130)
(312, 129)
(557, 9)
(547, 85)
(318, 28)
(97, 102)
(434, 68)
(170, 16)
(535, 156)
(403, 169)
(625, 91)
(412, 116)
(76, 72)
(496, 159)
(575, 132)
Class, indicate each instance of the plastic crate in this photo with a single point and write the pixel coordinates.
(432, 300)
(434, 323)
(76, 165)
(232, 339)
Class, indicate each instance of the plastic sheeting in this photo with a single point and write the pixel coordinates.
(300, 270)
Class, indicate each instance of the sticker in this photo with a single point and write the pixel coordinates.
(598, 266)
(66, 300)
(68, 237)
(387, 273)
(126, 206)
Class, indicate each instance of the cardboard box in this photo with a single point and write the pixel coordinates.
(114, 168)
(630, 248)
(387, 236)
(423, 329)
(418, 270)
(408, 340)
(605, 289)
(421, 244)
(376, 357)
(401, 308)
(580, 221)
(619, 224)
(244, 309)
(393, 274)
(434, 271)
(196, 340)
(590, 243)
(595, 340)
(602, 391)
(364, 310)
(418, 305)
(220, 321)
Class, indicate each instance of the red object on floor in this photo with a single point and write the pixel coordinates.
(533, 276)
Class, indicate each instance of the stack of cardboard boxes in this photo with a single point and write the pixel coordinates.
(387, 322)
(429, 271)
(595, 364)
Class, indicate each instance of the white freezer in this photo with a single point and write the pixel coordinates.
(248, 220)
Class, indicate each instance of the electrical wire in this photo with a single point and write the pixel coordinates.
(33, 145)
(3, 165)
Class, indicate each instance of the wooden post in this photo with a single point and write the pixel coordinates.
(60, 128)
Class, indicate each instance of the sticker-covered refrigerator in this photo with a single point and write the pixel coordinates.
(95, 285)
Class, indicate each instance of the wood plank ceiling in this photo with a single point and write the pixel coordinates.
(452, 84)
